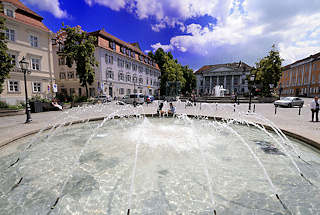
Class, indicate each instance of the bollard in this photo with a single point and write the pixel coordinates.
(299, 111)
(254, 108)
(234, 108)
(275, 110)
(200, 105)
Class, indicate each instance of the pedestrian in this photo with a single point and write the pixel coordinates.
(315, 108)
(172, 109)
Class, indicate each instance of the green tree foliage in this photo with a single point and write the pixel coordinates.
(172, 71)
(190, 78)
(5, 59)
(79, 48)
(268, 71)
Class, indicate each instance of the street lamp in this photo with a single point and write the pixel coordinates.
(280, 90)
(24, 65)
(252, 77)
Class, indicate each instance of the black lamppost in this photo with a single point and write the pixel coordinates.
(24, 65)
(134, 91)
(280, 90)
(252, 77)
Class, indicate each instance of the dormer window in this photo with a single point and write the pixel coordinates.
(9, 13)
(112, 45)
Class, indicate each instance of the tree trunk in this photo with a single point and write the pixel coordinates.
(87, 90)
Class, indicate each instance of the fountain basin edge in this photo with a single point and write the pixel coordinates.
(304, 139)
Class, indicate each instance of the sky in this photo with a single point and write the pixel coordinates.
(197, 32)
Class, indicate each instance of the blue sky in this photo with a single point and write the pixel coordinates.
(197, 32)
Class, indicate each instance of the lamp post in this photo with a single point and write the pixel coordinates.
(280, 90)
(24, 65)
(134, 91)
(252, 77)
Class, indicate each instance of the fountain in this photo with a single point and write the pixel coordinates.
(219, 91)
(123, 162)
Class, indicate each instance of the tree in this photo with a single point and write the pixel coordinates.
(172, 71)
(5, 58)
(190, 78)
(268, 71)
(79, 48)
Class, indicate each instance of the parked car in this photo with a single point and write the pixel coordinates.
(289, 102)
(149, 99)
(103, 98)
(136, 98)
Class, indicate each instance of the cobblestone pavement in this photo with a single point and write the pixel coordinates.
(12, 127)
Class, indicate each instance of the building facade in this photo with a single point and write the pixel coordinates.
(232, 76)
(27, 37)
(301, 78)
(123, 69)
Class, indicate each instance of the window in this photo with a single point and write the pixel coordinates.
(11, 34)
(134, 79)
(80, 91)
(10, 13)
(123, 49)
(120, 62)
(128, 78)
(134, 67)
(112, 45)
(147, 80)
(70, 75)
(13, 86)
(109, 59)
(36, 87)
(120, 76)
(128, 91)
(13, 59)
(133, 54)
(35, 62)
(140, 80)
(62, 75)
(140, 57)
(128, 52)
(147, 71)
(140, 69)
(121, 91)
(150, 81)
(33, 41)
(128, 65)
(110, 74)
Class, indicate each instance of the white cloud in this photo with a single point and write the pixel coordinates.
(112, 4)
(52, 6)
(165, 48)
(244, 30)
(248, 31)
(168, 13)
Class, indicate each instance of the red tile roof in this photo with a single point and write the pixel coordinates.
(25, 15)
(133, 47)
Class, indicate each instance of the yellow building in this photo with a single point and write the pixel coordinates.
(27, 37)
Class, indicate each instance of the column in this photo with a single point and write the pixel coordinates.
(210, 87)
(232, 83)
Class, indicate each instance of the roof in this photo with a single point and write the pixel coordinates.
(314, 57)
(234, 65)
(24, 8)
(133, 46)
(25, 15)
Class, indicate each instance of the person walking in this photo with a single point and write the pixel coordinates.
(315, 108)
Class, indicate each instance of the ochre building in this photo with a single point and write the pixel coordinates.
(302, 78)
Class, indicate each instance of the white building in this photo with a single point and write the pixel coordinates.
(231, 76)
(123, 69)
(27, 37)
